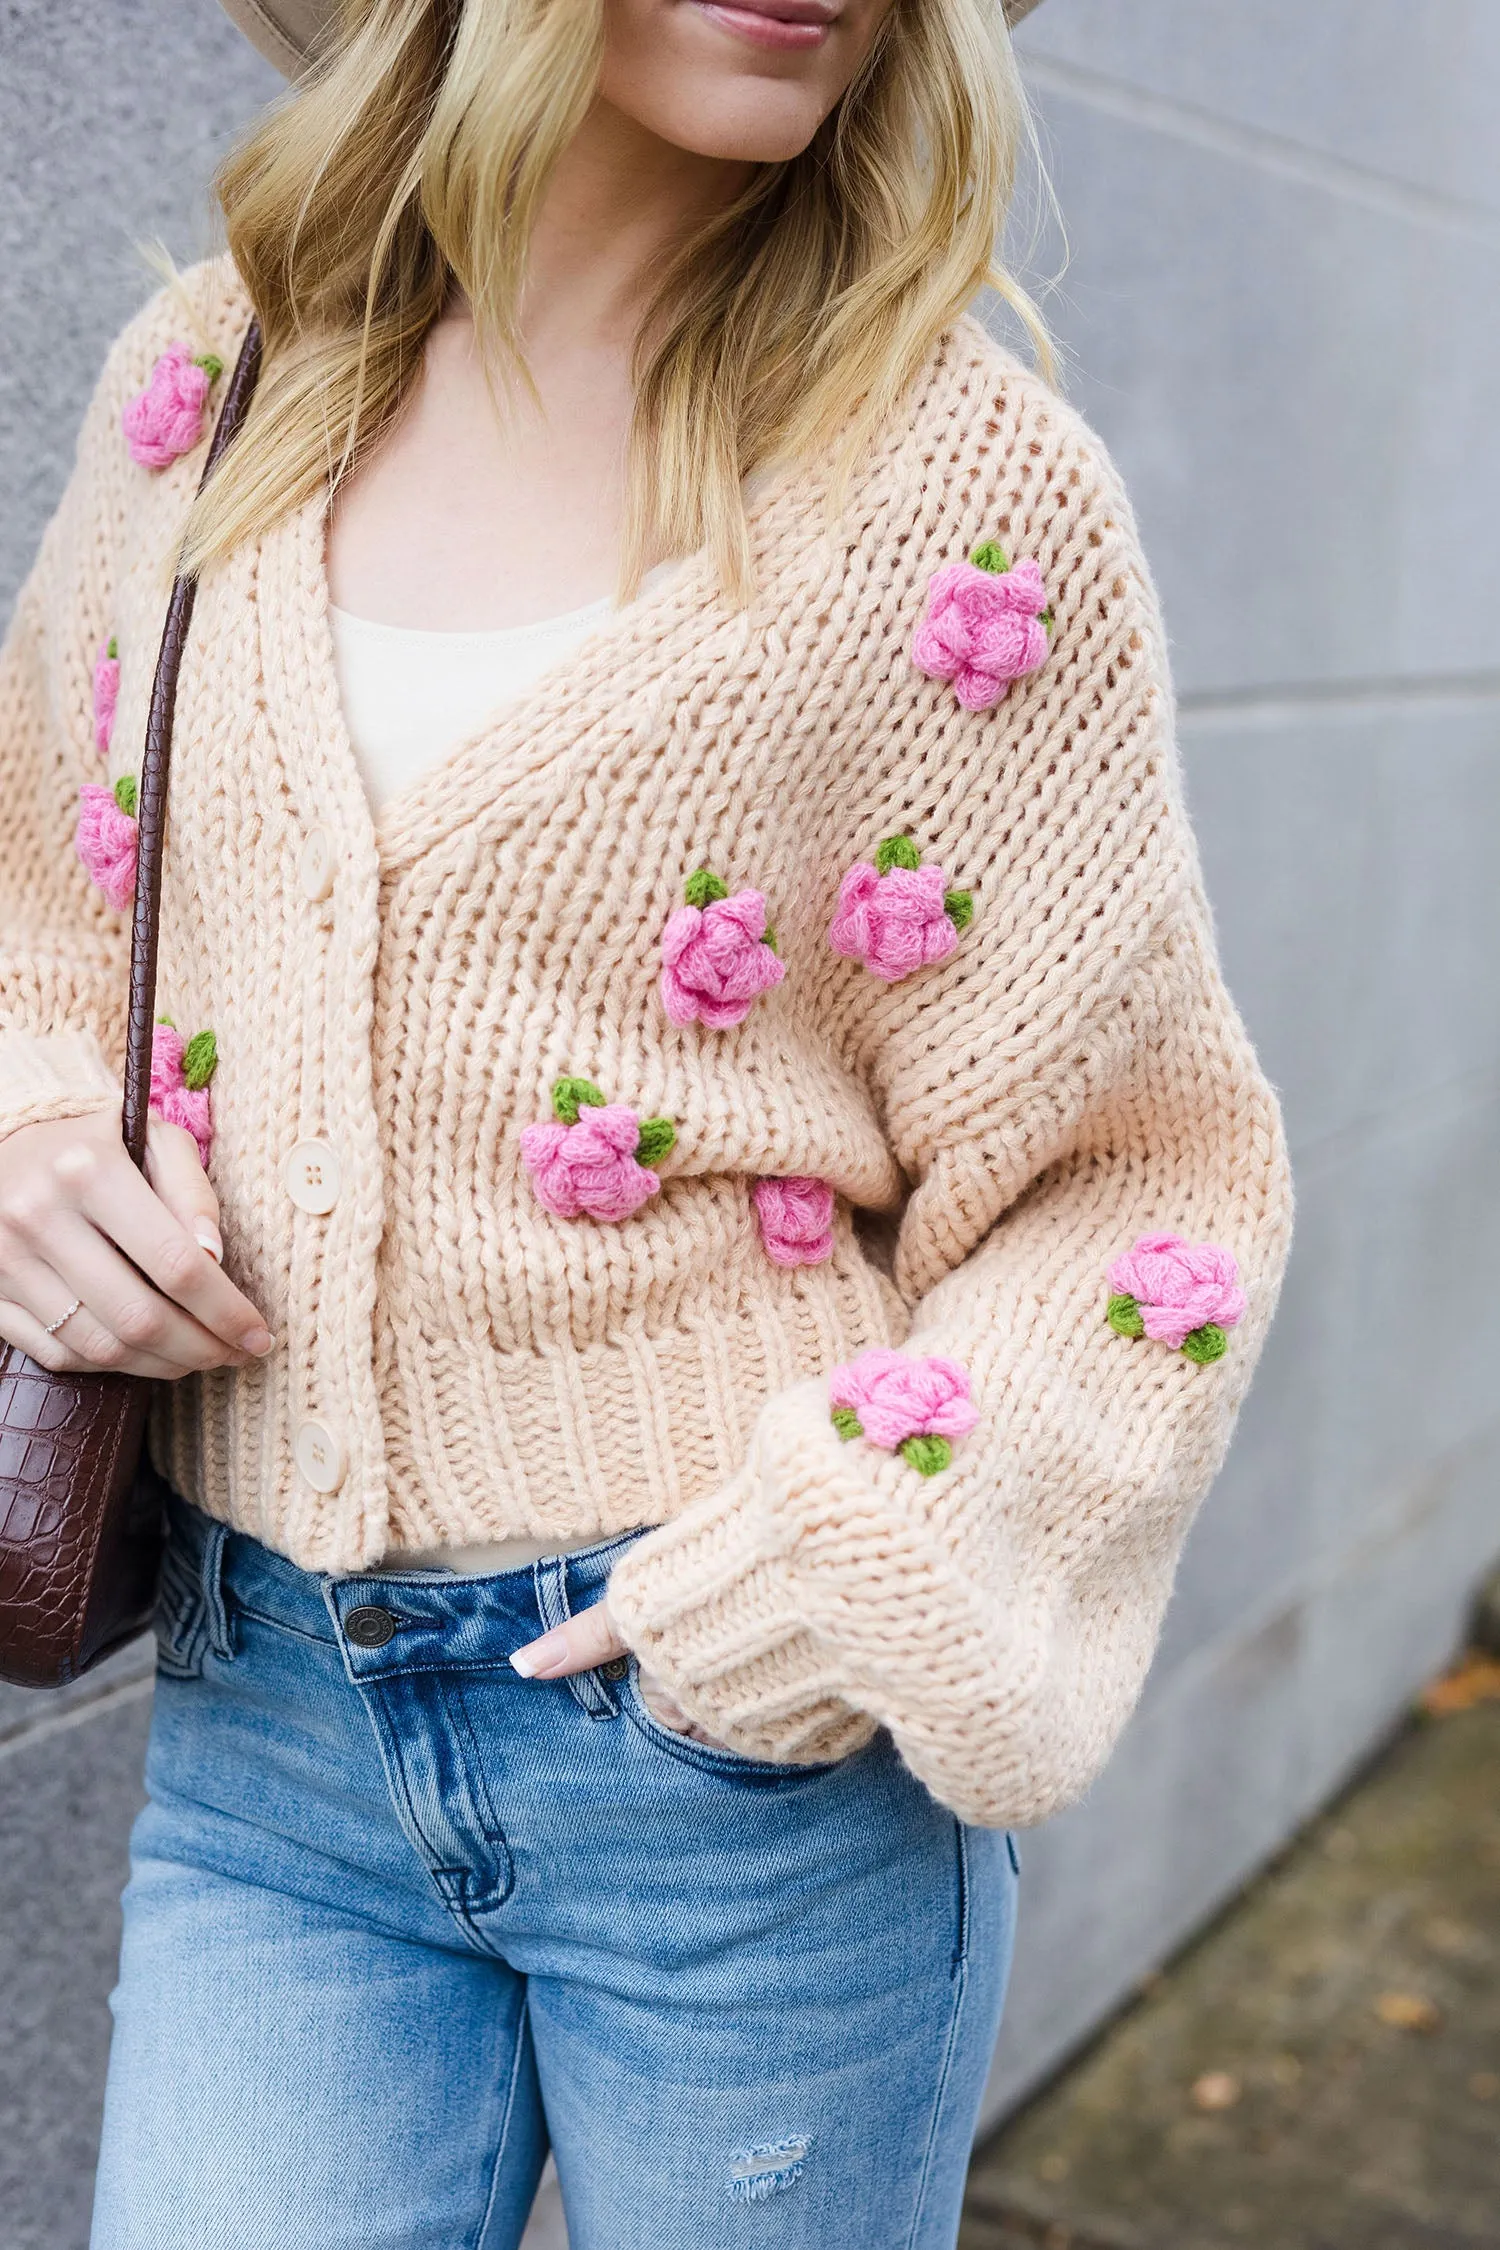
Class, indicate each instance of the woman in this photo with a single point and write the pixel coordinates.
(709, 1214)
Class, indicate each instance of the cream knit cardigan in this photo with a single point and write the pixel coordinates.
(997, 1127)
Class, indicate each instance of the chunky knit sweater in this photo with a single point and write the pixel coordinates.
(493, 1114)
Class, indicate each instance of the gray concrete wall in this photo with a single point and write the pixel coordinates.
(1281, 306)
(112, 118)
(1285, 225)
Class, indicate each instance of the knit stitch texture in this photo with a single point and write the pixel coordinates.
(1008, 1117)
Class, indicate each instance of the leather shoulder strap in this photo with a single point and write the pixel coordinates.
(151, 808)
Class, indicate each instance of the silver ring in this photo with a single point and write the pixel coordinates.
(63, 1318)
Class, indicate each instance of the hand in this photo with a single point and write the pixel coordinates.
(140, 1253)
(590, 1639)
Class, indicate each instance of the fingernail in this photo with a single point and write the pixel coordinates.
(259, 1341)
(533, 1658)
(208, 1239)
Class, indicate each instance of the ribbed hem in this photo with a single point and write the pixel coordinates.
(45, 1076)
(576, 1445)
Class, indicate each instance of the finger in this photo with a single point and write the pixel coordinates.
(175, 1170)
(580, 1644)
(59, 1352)
(139, 1320)
(668, 1712)
(128, 1212)
(662, 1703)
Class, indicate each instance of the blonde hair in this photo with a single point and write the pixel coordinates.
(417, 155)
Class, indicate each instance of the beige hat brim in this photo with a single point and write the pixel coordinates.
(285, 31)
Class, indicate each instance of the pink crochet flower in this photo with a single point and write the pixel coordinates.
(106, 694)
(1168, 1289)
(594, 1165)
(180, 1072)
(907, 1405)
(796, 1220)
(985, 626)
(898, 915)
(165, 420)
(717, 954)
(106, 838)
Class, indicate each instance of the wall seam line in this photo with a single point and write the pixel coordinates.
(1268, 152)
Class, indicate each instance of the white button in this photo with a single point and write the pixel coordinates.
(316, 864)
(320, 1457)
(312, 1175)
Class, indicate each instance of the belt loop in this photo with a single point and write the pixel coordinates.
(550, 1578)
(219, 1639)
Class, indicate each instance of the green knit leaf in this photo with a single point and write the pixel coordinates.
(959, 908)
(113, 650)
(989, 556)
(125, 794)
(658, 1136)
(569, 1094)
(847, 1423)
(768, 937)
(927, 1455)
(211, 364)
(1204, 1344)
(703, 887)
(1124, 1317)
(200, 1059)
(896, 851)
(1047, 621)
(168, 1022)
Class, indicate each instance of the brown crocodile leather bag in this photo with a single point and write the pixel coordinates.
(80, 1504)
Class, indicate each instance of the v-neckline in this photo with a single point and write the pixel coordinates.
(508, 748)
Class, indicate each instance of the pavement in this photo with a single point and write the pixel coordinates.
(1321, 2069)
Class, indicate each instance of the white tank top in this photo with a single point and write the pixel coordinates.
(410, 697)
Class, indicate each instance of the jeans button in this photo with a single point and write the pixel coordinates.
(618, 1668)
(369, 1626)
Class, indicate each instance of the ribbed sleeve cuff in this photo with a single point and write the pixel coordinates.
(709, 1603)
(50, 1075)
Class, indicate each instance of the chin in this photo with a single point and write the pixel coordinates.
(743, 122)
(744, 81)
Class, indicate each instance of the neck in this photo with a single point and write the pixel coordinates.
(620, 201)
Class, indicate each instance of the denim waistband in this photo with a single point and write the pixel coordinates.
(390, 1621)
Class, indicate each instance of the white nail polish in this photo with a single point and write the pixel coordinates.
(523, 1664)
(207, 1235)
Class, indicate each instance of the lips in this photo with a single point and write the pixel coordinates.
(789, 25)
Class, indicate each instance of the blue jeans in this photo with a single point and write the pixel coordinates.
(398, 1919)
